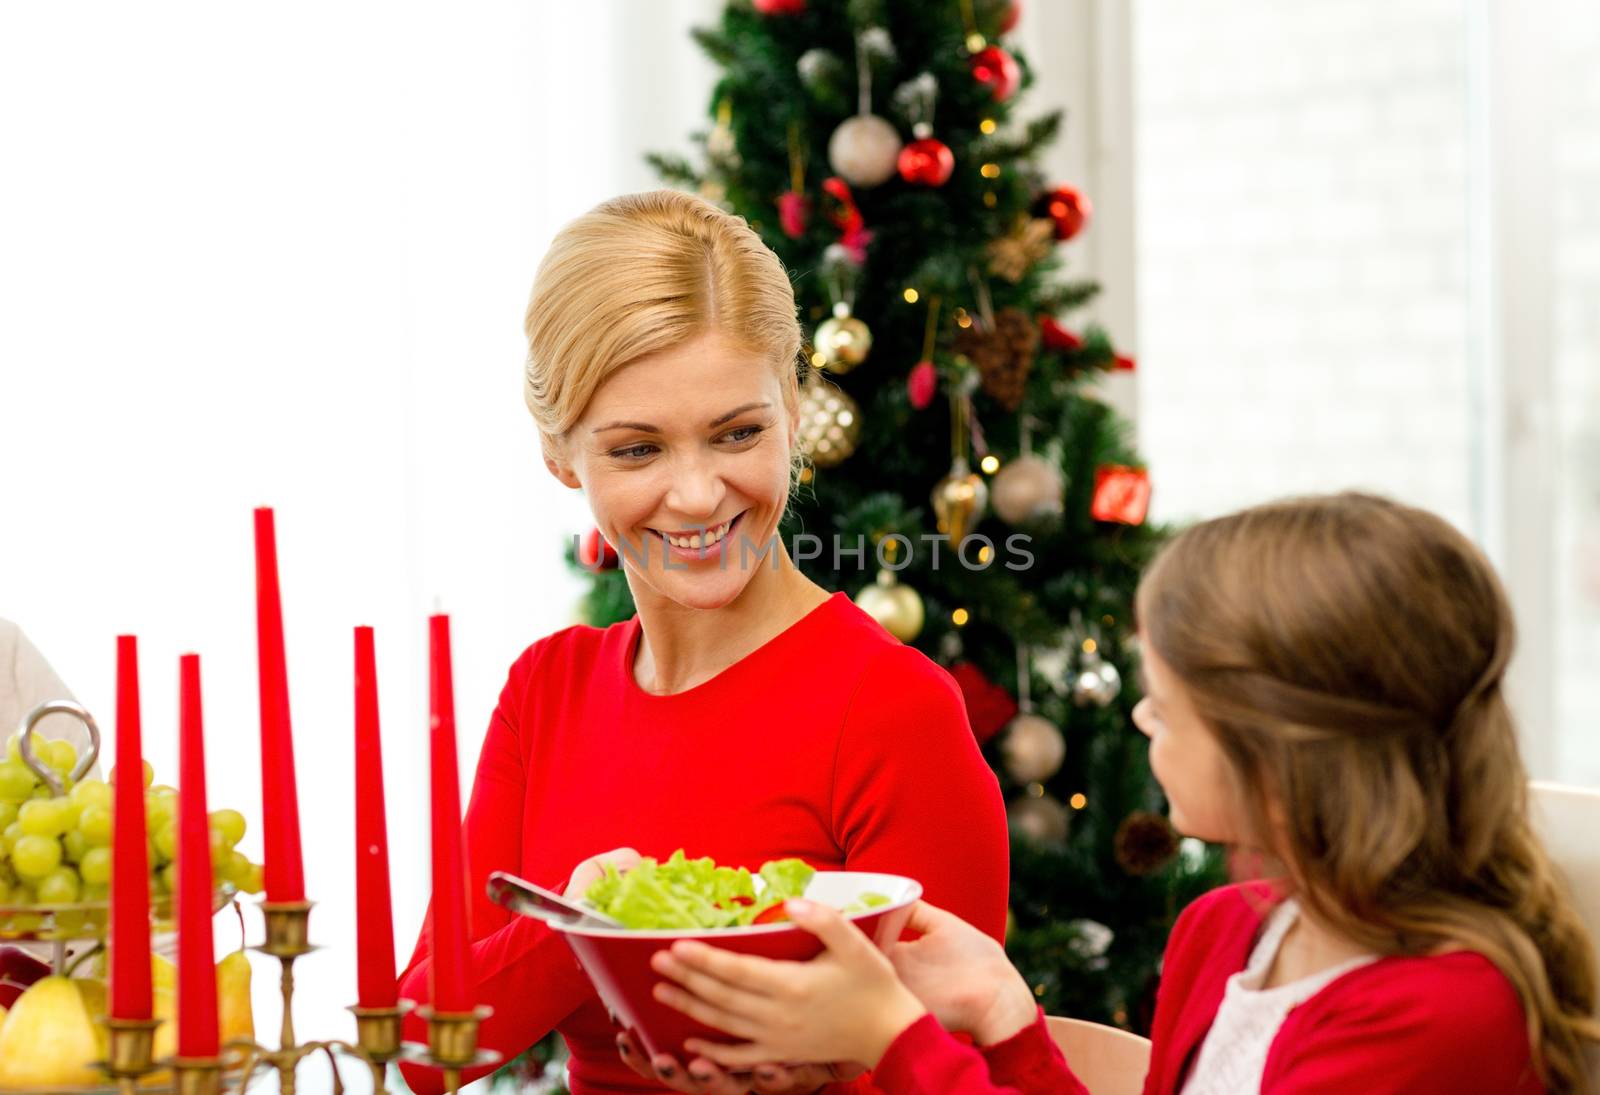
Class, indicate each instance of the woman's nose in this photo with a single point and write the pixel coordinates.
(696, 490)
(1141, 716)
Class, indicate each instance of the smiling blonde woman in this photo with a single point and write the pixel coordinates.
(744, 713)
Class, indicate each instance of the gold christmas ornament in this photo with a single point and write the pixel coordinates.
(1013, 255)
(830, 423)
(843, 341)
(1033, 749)
(864, 150)
(1039, 818)
(1027, 489)
(959, 500)
(897, 607)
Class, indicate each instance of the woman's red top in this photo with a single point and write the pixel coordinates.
(833, 742)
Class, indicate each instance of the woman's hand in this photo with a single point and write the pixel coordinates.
(702, 1077)
(593, 869)
(962, 975)
(844, 1005)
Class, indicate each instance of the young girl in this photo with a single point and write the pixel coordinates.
(1323, 683)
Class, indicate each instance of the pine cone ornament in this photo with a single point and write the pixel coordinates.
(1003, 356)
(1145, 843)
(1012, 255)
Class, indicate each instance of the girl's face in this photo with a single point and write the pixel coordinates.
(1185, 756)
(684, 457)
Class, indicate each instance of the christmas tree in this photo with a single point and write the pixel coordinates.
(954, 437)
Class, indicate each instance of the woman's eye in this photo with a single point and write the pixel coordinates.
(741, 434)
(633, 452)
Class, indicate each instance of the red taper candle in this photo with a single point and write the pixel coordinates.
(447, 973)
(280, 809)
(376, 986)
(129, 935)
(197, 971)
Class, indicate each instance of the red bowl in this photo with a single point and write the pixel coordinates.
(617, 960)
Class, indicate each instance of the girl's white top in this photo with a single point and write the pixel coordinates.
(1234, 1054)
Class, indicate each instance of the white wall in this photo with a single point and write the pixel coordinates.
(279, 256)
(1367, 257)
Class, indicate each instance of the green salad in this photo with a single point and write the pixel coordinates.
(696, 893)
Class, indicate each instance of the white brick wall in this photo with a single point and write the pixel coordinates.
(1304, 321)
(1302, 224)
(1576, 310)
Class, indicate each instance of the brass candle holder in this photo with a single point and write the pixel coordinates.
(378, 1038)
(130, 1047)
(195, 1075)
(452, 1045)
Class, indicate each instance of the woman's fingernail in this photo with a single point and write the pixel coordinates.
(701, 1076)
(797, 906)
(766, 1075)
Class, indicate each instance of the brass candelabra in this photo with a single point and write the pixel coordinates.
(452, 1044)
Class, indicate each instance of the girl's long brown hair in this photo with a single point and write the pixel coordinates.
(1349, 653)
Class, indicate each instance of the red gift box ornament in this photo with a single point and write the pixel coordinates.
(779, 7)
(1057, 337)
(1121, 494)
(989, 707)
(596, 553)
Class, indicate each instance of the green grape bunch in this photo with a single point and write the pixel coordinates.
(56, 849)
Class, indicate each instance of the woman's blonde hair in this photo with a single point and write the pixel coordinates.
(1348, 653)
(644, 273)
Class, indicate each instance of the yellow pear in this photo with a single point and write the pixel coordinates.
(163, 973)
(235, 1018)
(49, 1038)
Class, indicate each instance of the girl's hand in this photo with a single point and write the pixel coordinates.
(844, 1005)
(702, 1077)
(963, 976)
(593, 869)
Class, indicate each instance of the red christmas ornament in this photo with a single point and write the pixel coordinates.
(922, 383)
(995, 69)
(989, 707)
(1122, 363)
(1056, 337)
(1068, 207)
(596, 554)
(926, 162)
(1009, 18)
(779, 7)
(1121, 494)
(794, 212)
(854, 235)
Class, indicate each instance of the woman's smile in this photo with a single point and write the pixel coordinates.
(700, 542)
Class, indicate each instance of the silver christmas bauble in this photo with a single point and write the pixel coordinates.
(1026, 489)
(1040, 818)
(1097, 683)
(864, 150)
(1032, 749)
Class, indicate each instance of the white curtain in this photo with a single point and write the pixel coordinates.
(279, 256)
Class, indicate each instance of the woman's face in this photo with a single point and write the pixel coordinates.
(1185, 756)
(684, 457)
